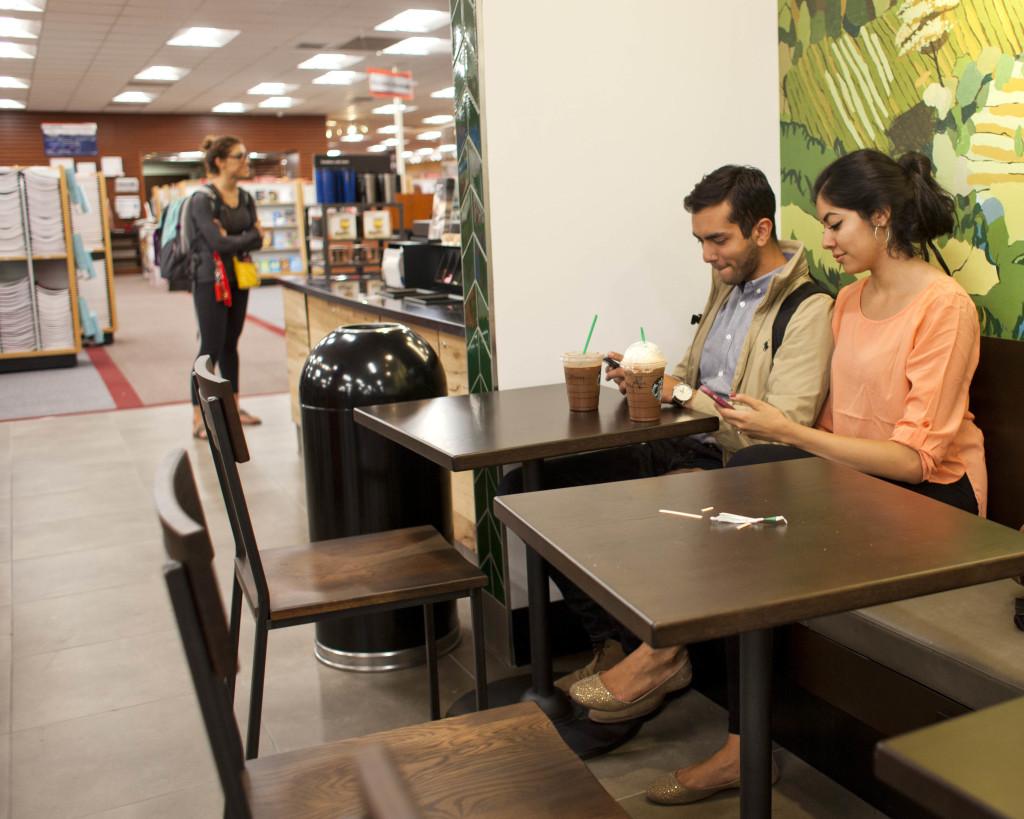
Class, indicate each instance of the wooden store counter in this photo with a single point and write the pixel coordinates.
(312, 309)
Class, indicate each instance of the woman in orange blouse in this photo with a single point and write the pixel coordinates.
(906, 347)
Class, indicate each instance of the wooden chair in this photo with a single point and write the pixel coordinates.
(506, 762)
(344, 576)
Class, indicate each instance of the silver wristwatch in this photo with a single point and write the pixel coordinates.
(681, 394)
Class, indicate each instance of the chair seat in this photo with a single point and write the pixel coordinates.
(506, 762)
(366, 570)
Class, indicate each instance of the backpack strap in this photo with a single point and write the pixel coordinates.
(789, 307)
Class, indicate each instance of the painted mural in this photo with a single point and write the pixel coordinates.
(943, 77)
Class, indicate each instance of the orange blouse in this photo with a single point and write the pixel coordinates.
(906, 379)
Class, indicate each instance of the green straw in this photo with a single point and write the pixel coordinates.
(592, 325)
(643, 335)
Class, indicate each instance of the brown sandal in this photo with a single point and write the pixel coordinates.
(248, 419)
(199, 430)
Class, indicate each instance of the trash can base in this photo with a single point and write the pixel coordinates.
(371, 661)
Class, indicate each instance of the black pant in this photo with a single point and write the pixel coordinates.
(620, 464)
(219, 330)
(959, 494)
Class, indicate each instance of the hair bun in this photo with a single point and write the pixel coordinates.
(916, 164)
(207, 143)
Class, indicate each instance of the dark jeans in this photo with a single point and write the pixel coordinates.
(219, 330)
(959, 494)
(620, 464)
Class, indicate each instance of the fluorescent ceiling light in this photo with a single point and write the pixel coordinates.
(229, 108)
(447, 148)
(387, 129)
(278, 102)
(19, 29)
(353, 138)
(202, 37)
(271, 88)
(190, 154)
(445, 93)
(330, 61)
(134, 96)
(9, 103)
(390, 108)
(16, 51)
(438, 119)
(424, 151)
(429, 135)
(377, 149)
(415, 20)
(162, 73)
(12, 82)
(338, 78)
(37, 6)
(334, 152)
(407, 154)
(390, 142)
(418, 46)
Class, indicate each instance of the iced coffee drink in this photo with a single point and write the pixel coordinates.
(582, 380)
(645, 368)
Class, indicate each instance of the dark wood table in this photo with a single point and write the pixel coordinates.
(968, 767)
(523, 426)
(852, 541)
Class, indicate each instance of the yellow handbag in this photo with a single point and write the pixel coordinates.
(245, 274)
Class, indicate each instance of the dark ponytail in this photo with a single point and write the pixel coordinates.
(215, 148)
(868, 181)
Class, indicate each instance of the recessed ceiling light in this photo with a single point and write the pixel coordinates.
(429, 135)
(447, 148)
(162, 73)
(438, 119)
(12, 82)
(16, 51)
(271, 88)
(191, 154)
(377, 149)
(202, 37)
(338, 78)
(134, 96)
(37, 6)
(445, 93)
(418, 46)
(390, 142)
(8, 103)
(334, 152)
(278, 102)
(407, 154)
(390, 108)
(353, 138)
(19, 29)
(387, 129)
(424, 151)
(415, 20)
(332, 61)
(229, 108)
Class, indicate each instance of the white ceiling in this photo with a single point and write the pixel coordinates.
(89, 51)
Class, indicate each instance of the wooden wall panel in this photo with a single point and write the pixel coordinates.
(130, 136)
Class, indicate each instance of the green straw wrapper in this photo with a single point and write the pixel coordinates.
(592, 325)
(643, 335)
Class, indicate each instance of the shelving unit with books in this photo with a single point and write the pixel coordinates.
(347, 241)
(94, 228)
(279, 206)
(39, 322)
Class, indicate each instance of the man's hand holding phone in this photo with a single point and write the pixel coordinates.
(614, 372)
(714, 396)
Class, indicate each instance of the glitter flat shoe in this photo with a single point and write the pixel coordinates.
(592, 693)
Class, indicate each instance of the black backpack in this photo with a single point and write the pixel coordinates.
(789, 307)
(175, 256)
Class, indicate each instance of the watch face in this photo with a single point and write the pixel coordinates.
(682, 393)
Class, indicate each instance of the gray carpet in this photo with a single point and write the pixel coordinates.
(53, 392)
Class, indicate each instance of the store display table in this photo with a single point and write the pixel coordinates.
(966, 768)
(851, 541)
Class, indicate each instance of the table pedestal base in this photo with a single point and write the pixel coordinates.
(756, 724)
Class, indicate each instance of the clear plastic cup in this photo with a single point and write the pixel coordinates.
(582, 380)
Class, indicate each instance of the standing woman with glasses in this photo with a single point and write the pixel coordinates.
(224, 226)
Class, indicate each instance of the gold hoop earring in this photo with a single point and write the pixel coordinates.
(888, 233)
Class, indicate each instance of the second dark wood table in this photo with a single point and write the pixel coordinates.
(852, 541)
(523, 426)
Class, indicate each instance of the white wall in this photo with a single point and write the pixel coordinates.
(599, 119)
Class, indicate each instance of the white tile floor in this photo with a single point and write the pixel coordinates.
(97, 712)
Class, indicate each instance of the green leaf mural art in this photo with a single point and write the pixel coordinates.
(943, 77)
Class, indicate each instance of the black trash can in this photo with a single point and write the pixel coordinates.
(358, 482)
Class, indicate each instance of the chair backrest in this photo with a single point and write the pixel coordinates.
(997, 395)
(199, 611)
(228, 448)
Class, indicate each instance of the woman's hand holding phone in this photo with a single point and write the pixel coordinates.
(614, 372)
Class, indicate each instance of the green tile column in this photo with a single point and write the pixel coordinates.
(475, 275)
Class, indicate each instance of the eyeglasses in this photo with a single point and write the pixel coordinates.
(242, 156)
